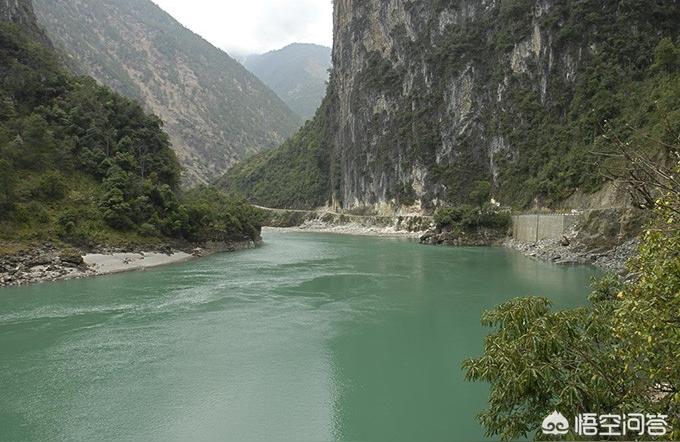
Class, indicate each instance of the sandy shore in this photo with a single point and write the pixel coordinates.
(49, 263)
(104, 264)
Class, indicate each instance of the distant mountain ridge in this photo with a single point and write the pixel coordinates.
(215, 111)
(297, 73)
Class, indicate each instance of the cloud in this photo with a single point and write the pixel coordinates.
(255, 26)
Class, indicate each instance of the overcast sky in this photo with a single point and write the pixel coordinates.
(255, 26)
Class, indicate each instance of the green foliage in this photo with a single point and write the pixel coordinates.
(620, 355)
(469, 218)
(646, 322)
(480, 193)
(380, 73)
(94, 167)
(51, 187)
(538, 361)
(296, 175)
(7, 184)
(206, 214)
(666, 56)
(555, 134)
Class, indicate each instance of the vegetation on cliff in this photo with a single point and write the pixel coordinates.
(293, 176)
(82, 164)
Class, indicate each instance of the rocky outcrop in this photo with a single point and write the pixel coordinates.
(325, 220)
(21, 13)
(611, 260)
(22, 264)
(43, 262)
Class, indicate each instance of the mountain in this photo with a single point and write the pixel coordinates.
(297, 73)
(21, 13)
(429, 101)
(82, 165)
(215, 111)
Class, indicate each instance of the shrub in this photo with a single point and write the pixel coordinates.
(480, 193)
(468, 217)
(618, 354)
(68, 222)
(51, 187)
(148, 230)
(7, 183)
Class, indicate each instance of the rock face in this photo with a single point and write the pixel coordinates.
(44, 262)
(21, 13)
(297, 73)
(432, 96)
(215, 111)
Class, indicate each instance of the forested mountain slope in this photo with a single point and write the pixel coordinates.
(215, 111)
(297, 73)
(428, 99)
(80, 164)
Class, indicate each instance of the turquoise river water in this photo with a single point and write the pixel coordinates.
(311, 337)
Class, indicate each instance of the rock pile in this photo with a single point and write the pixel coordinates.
(563, 252)
(44, 262)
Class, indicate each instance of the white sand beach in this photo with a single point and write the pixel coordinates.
(104, 264)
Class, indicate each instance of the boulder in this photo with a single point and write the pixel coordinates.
(72, 259)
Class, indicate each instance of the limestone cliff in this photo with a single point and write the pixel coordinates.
(435, 95)
(428, 99)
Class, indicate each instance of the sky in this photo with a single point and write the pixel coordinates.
(243, 27)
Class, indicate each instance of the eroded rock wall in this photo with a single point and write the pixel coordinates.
(433, 96)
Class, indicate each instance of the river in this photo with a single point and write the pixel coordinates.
(310, 337)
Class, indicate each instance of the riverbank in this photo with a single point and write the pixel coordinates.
(49, 262)
(611, 260)
(318, 226)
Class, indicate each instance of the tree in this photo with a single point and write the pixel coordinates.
(480, 193)
(7, 183)
(51, 187)
(117, 211)
(7, 110)
(538, 361)
(620, 355)
(666, 56)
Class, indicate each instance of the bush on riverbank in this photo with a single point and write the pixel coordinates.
(618, 355)
(470, 218)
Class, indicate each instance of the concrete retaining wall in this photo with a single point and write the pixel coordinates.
(532, 228)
